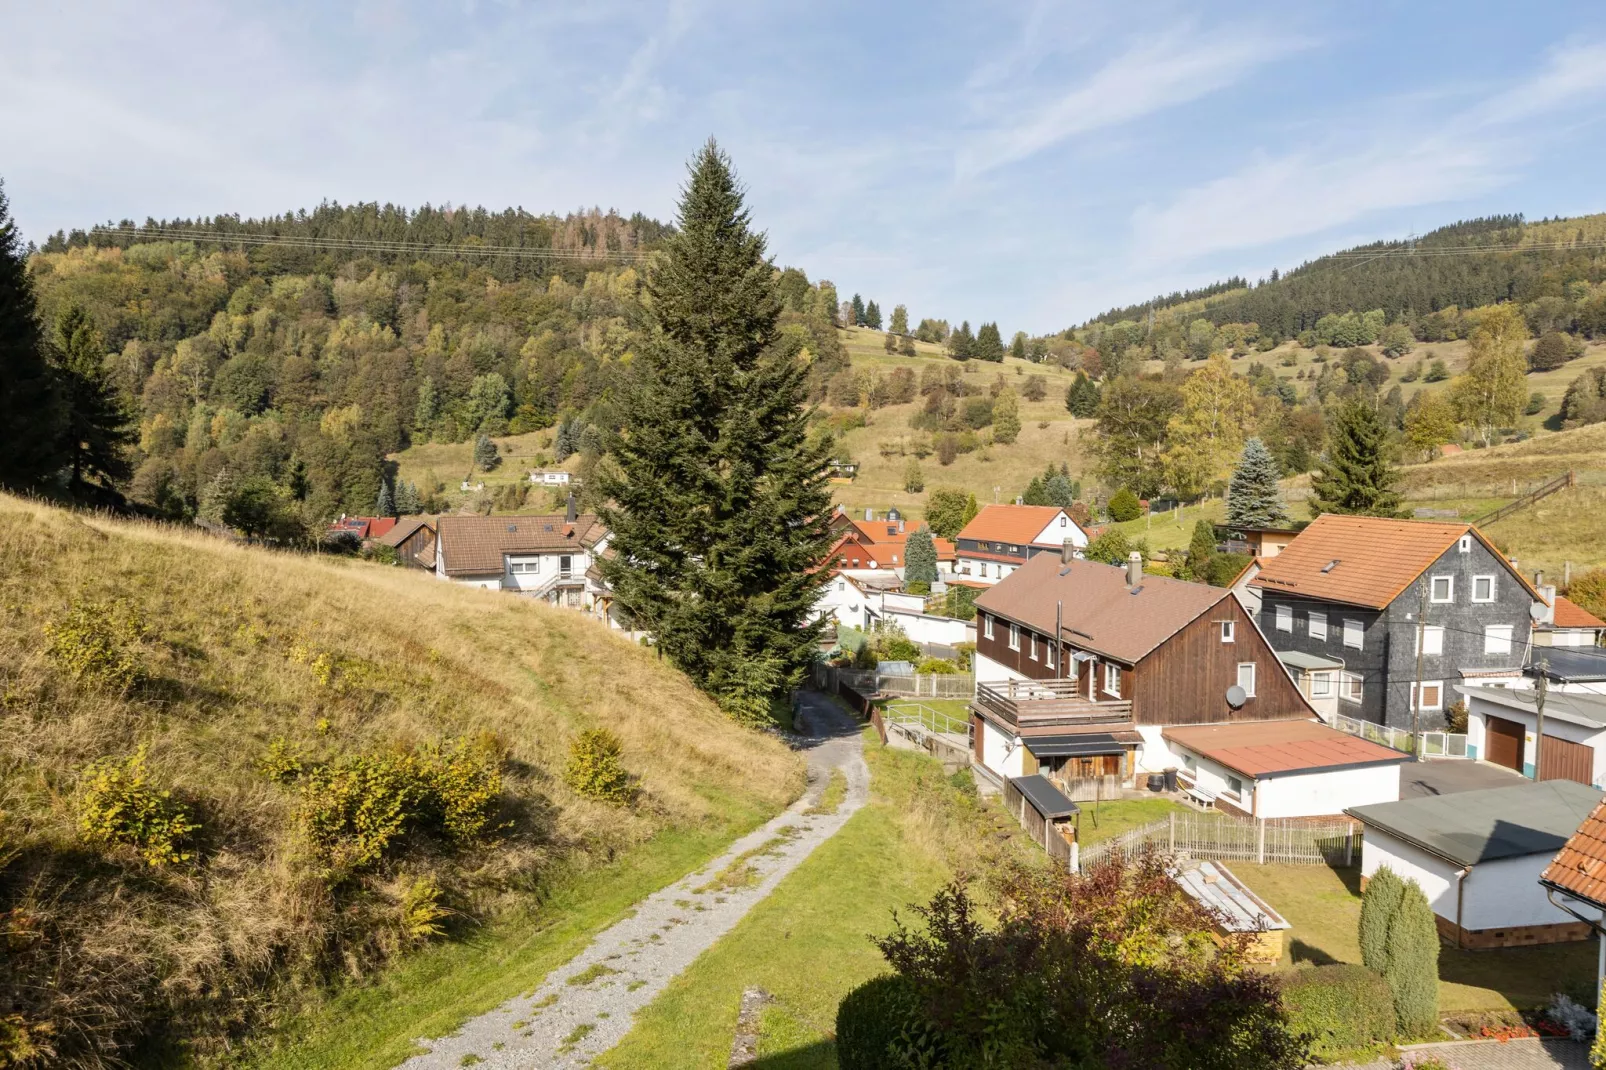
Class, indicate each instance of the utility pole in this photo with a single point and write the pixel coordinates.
(1416, 690)
(1540, 690)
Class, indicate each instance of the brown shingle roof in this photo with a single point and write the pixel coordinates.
(1100, 612)
(1579, 868)
(1017, 524)
(475, 544)
(1269, 748)
(1362, 560)
(404, 529)
(1570, 614)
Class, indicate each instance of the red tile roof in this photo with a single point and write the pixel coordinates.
(1018, 524)
(1570, 614)
(1579, 868)
(1271, 748)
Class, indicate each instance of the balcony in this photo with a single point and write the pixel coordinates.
(1048, 703)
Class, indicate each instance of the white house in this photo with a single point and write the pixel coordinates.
(1272, 769)
(551, 477)
(1502, 722)
(1565, 622)
(550, 557)
(859, 602)
(1001, 538)
(1478, 857)
(844, 601)
(1316, 678)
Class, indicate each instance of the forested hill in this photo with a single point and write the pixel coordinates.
(1466, 265)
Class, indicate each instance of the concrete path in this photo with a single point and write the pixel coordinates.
(1495, 1055)
(586, 1007)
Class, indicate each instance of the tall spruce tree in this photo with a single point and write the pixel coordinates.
(858, 311)
(1356, 476)
(1253, 498)
(920, 558)
(719, 505)
(97, 433)
(872, 316)
(30, 407)
(386, 505)
(989, 343)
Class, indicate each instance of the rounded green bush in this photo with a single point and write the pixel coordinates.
(873, 1018)
(1344, 1009)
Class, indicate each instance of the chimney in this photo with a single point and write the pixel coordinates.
(1539, 578)
(1067, 552)
(573, 511)
(1548, 593)
(1134, 569)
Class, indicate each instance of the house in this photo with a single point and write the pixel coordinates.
(872, 545)
(1357, 588)
(550, 557)
(1565, 622)
(1577, 875)
(1256, 542)
(551, 477)
(413, 539)
(1001, 538)
(1502, 724)
(1478, 857)
(1132, 655)
(362, 527)
(858, 602)
(1235, 909)
(1317, 679)
(1272, 769)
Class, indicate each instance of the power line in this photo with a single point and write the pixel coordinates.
(380, 245)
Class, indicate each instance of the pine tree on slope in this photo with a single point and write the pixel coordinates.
(97, 434)
(920, 558)
(386, 505)
(30, 407)
(719, 506)
(1356, 475)
(1253, 498)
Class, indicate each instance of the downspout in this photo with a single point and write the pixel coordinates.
(1460, 900)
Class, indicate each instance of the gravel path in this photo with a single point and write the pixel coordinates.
(586, 1007)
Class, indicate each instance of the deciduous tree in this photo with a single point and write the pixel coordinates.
(1006, 417)
(1206, 433)
(1490, 394)
(1429, 423)
(948, 510)
(900, 320)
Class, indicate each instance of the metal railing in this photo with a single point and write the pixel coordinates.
(1434, 744)
(920, 685)
(1048, 702)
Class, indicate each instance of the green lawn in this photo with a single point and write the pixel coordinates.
(1324, 907)
(1101, 821)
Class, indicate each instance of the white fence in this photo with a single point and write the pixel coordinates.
(923, 685)
(1434, 744)
(1224, 836)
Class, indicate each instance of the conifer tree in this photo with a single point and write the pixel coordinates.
(1059, 490)
(1017, 346)
(30, 408)
(719, 504)
(872, 316)
(858, 311)
(1412, 970)
(485, 456)
(97, 434)
(961, 343)
(1356, 475)
(914, 480)
(989, 343)
(1006, 417)
(1082, 396)
(1379, 904)
(1201, 548)
(563, 440)
(1253, 497)
(408, 502)
(920, 558)
(386, 505)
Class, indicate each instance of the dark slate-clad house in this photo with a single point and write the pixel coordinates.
(1354, 589)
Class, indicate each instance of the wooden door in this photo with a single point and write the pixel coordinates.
(1503, 741)
(1564, 760)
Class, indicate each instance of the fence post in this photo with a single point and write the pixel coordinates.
(1260, 843)
(1076, 856)
(1349, 847)
(1171, 839)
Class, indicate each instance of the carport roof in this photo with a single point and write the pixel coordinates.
(1484, 826)
(1080, 746)
(1045, 798)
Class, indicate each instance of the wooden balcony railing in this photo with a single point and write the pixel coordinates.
(1048, 702)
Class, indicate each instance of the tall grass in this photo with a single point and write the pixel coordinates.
(242, 647)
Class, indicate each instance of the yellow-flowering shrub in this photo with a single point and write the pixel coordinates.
(97, 642)
(119, 806)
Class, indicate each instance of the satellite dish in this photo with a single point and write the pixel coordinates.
(1537, 610)
(1236, 696)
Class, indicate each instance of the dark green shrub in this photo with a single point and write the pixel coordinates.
(1344, 1009)
(878, 1019)
(1379, 904)
(1124, 505)
(1413, 968)
(595, 770)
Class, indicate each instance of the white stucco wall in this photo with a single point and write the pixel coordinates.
(1324, 794)
(1210, 777)
(989, 671)
(1477, 733)
(998, 755)
(923, 628)
(842, 601)
(1434, 875)
(1496, 895)
(1154, 754)
(547, 566)
(1059, 529)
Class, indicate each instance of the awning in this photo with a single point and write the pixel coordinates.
(1086, 746)
(1045, 798)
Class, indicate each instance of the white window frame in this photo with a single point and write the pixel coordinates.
(524, 565)
(1437, 690)
(1014, 636)
(1112, 672)
(1498, 638)
(1031, 644)
(1242, 665)
(1316, 625)
(1493, 595)
(1356, 628)
(1285, 618)
(1430, 640)
(1351, 687)
(1321, 683)
(987, 625)
(1449, 590)
(1048, 655)
(1466, 544)
(1229, 631)
(1235, 787)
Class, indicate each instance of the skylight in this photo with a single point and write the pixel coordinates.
(1331, 565)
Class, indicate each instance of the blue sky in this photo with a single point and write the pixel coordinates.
(1032, 163)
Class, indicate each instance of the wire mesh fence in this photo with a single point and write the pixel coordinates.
(1227, 837)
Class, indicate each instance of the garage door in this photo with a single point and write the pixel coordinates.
(1504, 742)
(1564, 760)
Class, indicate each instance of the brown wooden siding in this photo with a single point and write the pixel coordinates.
(1185, 679)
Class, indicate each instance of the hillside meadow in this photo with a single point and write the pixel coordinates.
(236, 781)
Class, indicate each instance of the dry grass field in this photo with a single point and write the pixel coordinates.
(230, 648)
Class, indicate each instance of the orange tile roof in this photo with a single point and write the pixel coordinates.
(1570, 614)
(1273, 748)
(1579, 868)
(1363, 560)
(1010, 523)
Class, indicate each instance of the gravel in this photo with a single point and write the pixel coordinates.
(586, 1007)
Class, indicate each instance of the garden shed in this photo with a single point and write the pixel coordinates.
(1238, 910)
(1478, 857)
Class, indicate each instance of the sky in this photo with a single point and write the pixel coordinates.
(1028, 163)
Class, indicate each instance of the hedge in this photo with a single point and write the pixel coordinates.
(1345, 1009)
(878, 1014)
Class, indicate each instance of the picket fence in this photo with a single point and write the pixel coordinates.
(1226, 837)
(1434, 744)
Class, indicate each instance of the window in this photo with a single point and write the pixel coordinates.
(1321, 685)
(1187, 760)
(987, 626)
(1432, 695)
(1483, 588)
(1317, 622)
(1246, 677)
(1235, 786)
(1497, 639)
(1354, 634)
(1350, 686)
(1228, 628)
(1031, 642)
(1442, 589)
(1432, 639)
(524, 566)
(1014, 637)
(841, 585)
(1048, 654)
(1112, 679)
(1285, 619)
(1466, 544)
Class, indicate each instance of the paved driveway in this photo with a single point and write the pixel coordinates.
(1446, 776)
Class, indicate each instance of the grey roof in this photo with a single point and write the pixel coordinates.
(1482, 826)
(1298, 659)
(1575, 706)
(1044, 797)
(1214, 885)
(1569, 663)
(1080, 746)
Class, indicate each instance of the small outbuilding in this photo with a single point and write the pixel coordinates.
(1478, 857)
(1271, 769)
(1238, 910)
(1501, 727)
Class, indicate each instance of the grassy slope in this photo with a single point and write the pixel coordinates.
(419, 660)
